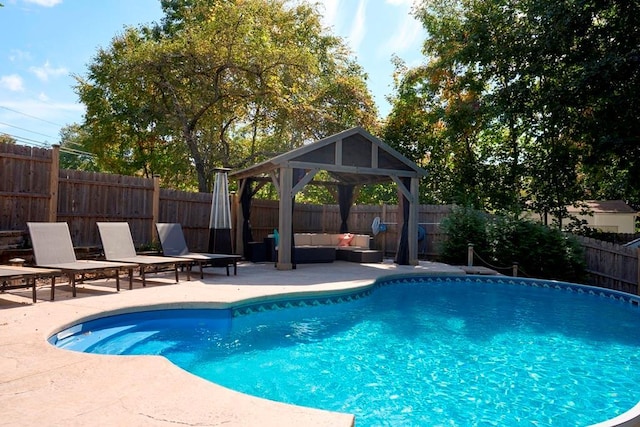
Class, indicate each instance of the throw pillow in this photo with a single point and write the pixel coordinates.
(346, 239)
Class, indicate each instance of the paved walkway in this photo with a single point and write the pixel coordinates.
(41, 385)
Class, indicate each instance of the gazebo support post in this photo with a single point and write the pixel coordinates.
(284, 219)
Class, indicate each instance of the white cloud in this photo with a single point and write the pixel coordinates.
(45, 3)
(407, 35)
(359, 28)
(43, 119)
(43, 73)
(13, 82)
(19, 55)
(401, 2)
(43, 97)
(329, 11)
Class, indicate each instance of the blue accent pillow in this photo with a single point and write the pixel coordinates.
(276, 237)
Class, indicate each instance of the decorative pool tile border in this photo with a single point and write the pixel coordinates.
(325, 299)
(310, 301)
(521, 281)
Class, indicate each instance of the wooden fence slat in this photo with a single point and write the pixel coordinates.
(611, 266)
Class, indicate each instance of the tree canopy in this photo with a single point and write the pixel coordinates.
(7, 139)
(520, 104)
(523, 103)
(218, 84)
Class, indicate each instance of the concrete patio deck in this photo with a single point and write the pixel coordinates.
(43, 385)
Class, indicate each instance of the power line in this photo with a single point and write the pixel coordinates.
(33, 117)
(28, 141)
(33, 142)
(75, 152)
(27, 130)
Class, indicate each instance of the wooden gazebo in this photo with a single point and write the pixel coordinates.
(352, 157)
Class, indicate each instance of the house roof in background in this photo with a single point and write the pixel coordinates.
(604, 206)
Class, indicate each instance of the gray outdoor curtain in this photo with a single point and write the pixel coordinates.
(245, 202)
(345, 200)
(402, 256)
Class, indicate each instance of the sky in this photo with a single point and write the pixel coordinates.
(45, 43)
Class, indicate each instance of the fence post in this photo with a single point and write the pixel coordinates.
(514, 269)
(155, 207)
(53, 183)
(470, 255)
(638, 268)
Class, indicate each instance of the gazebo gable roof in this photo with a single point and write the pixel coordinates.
(353, 156)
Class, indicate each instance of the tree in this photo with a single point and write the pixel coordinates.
(220, 84)
(526, 98)
(71, 154)
(7, 139)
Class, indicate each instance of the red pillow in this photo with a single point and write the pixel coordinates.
(345, 239)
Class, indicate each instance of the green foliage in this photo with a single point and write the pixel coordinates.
(463, 226)
(540, 251)
(219, 84)
(7, 139)
(499, 241)
(72, 155)
(526, 104)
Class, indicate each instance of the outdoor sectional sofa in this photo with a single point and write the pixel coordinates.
(324, 247)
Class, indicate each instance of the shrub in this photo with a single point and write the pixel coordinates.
(540, 251)
(463, 226)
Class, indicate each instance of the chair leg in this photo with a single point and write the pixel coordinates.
(34, 289)
(118, 279)
(130, 278)
(53, 287)
(73, 284)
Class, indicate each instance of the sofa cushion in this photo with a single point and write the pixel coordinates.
(360, 240)
(324, 239)
(302, 239)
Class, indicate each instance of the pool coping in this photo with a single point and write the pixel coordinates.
(44, 385)
(40, 384)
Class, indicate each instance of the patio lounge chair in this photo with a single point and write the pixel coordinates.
(25, 277)
(174, 244)
(118, 246)
(53, 248)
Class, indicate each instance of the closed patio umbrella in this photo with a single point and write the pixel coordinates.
(220, 220)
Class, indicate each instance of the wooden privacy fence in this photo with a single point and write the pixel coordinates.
(326, 219)
(32, 188)
(26, 185)
(612, 266)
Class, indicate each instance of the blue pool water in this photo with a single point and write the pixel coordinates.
(429, 351)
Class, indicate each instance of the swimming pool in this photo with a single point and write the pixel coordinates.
(408, 350)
